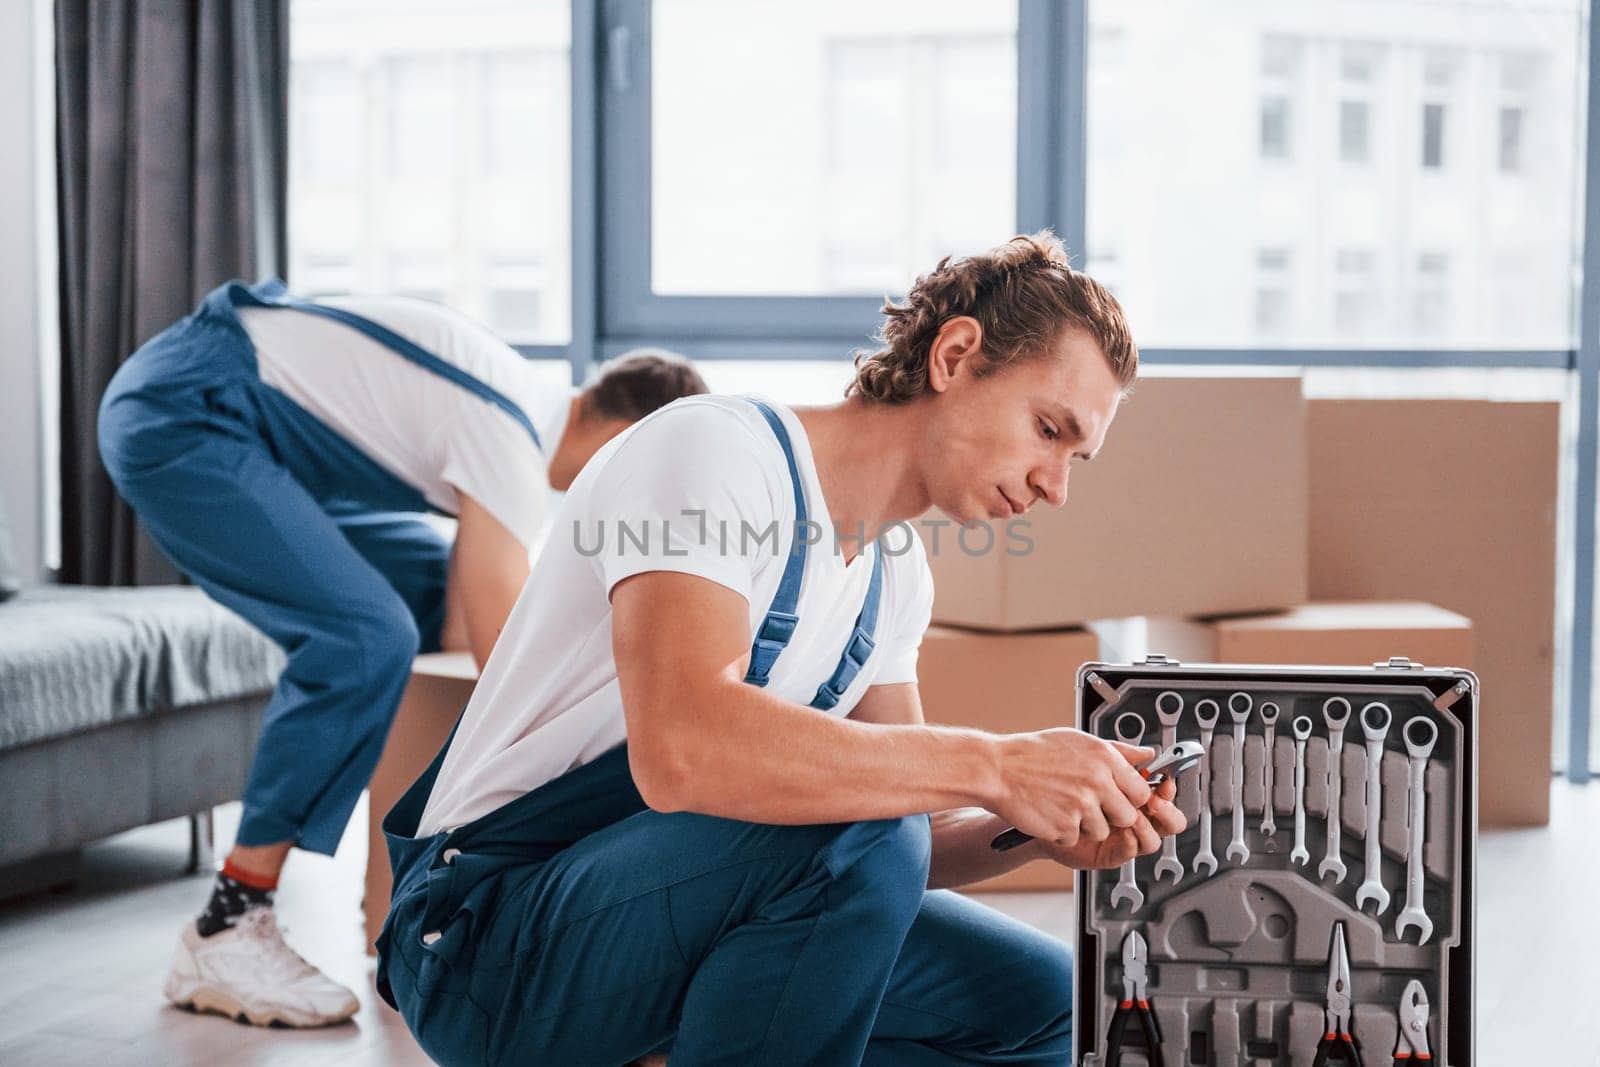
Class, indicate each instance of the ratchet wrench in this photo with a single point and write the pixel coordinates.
(1301, 726)
(1420, 733)
(1269, 720)
(1239, 706)
(1129, 728)
(1375, 719)
(1169, 707)
(1332, 863)
(1206, 713)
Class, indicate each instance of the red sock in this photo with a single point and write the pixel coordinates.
(249, 878)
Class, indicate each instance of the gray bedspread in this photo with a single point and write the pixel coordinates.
(74, 658)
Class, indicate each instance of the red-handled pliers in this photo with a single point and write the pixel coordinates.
(1337, 1046)
(1134, 1004)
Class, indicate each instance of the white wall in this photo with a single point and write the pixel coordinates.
(27, 275)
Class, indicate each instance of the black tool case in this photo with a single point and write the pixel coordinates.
(1238, 957)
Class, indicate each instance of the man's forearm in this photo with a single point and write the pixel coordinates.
(747, 754)
(961, 852)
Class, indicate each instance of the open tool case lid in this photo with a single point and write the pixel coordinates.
(1236, 954)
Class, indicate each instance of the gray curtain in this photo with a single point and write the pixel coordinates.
(171, 147)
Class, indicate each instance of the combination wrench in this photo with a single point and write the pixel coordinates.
(1375, 719)
(1300, 856)
(1129, 728)
(1269, 720)
(1420, 735)
(1169, 706)
(1239, 706)
(1206, 713)
(1332, 863)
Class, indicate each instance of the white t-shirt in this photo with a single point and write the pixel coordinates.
(548, 700)
(431, 433)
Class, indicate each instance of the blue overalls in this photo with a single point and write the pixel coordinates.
(282, 520)
(574, 925)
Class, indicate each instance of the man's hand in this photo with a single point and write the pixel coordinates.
(1063, 785)
(1158, 819)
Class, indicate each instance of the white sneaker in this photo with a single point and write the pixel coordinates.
(248, 973)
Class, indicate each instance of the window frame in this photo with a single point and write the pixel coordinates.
(817, 326)
(614, 308)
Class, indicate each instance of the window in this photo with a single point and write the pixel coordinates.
(1281, 59)
(1355, 294)
(1431, 307)
(1354, 135)
(429, 150)
(1274, 298)
(1519, 89)
(825, 150)
(1359, 66)
(1371, 127)
(1510, 140)
(1358, 62)
(1432, 136)
(1441, 70)
(1274, 127)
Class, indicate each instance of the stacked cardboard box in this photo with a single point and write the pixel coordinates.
(1353, 633)
(1454, 502)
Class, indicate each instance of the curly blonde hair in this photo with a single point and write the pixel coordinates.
(1022, 293)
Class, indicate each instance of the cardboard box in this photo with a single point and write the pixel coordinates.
(1196, 506)
(1349, 633)
(1005, 683)
(441, 684)
(1454, 502)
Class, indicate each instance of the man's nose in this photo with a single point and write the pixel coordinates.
(1051, 484)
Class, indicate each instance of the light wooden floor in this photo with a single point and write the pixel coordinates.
(80, 973)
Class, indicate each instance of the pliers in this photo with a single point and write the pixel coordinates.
(1337, 1046)
(1413, 1042)
(1135, 957)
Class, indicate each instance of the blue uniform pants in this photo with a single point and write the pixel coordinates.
(283, 521)
(576, 926)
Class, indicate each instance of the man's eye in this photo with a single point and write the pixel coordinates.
(1048, 430)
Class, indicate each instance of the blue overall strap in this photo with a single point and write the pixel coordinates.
(859, 648)
(773, 635)
(273, 294)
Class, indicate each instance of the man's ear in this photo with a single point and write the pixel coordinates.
(958, 342)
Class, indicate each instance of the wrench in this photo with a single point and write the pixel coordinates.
(1302, 732)
(1375, 719)
(1420, 733)
(1208, 721)
(1129, 728)
(1239, 705)
(1332, 863)
(1269, 719)
(1169, 706)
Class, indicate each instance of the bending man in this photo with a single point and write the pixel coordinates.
(280, 452)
